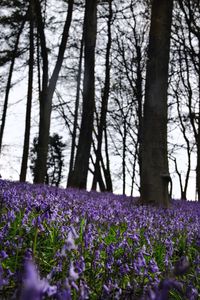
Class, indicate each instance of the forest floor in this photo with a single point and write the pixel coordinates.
(72, 244)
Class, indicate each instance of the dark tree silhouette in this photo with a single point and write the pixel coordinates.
(81, 164)
(55, 159)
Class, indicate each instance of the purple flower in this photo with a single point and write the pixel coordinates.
(153, 267)
(3, 281)
(70, 242)
(191, 293)
(106, 288)
(84, 290)
(73, 275)
(112, 263)
(3, 254)
(33, 286)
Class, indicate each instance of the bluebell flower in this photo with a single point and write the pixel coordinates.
(34, 287)
(73, 275)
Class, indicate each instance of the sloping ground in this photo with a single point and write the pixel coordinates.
(63, 244)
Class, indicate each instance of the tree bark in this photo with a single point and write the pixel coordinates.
(154, 165)
(81, 165)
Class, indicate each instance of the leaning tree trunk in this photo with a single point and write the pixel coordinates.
(81, 165)
(48, 89)
(154, 165)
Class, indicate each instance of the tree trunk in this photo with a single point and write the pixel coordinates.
(73, 145)
(81, 165)
(45, 102)
(198, 137)
(107, 173)
(124, 155)
(104, 104)
(48, 89)
(154, 166)
(139, 82)
(29, 103)
(139, 96)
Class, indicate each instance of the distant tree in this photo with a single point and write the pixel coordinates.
(127, 90)
(81, 164)
(182, 121)
(55, 159)
(154, 161)
(185, 90)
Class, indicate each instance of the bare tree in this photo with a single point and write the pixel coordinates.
(186, 41)
(127, 91)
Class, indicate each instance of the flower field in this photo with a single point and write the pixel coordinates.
(70, 244)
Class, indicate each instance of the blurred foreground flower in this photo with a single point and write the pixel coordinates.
(33, 288)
